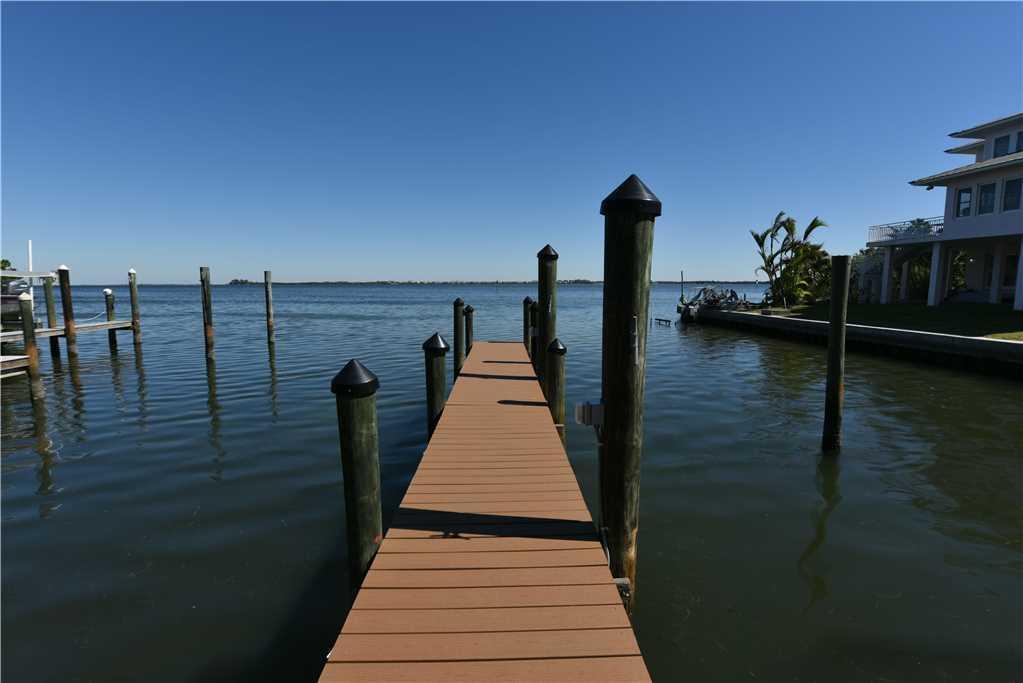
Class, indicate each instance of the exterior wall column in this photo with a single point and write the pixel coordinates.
(904, 281)
(886, 275)
(936, 283)
(1018, 301)
(996, 273)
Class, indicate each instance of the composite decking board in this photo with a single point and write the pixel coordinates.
(574, 670)
(492, 568)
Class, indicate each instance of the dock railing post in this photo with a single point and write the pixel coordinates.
(434, 350)
(355, 389)
(547, 304)
(526, 303)
(70, 335)
(269, 296)
(28, 333)
(207, 310)
(629, 214)
(108, 296)
(133, 297)
(834, 392)
(468, 312)
(51, 315)
(554, 385)
(459, 321)
(533, 334)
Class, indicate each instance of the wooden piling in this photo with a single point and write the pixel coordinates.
(468, 312)
(269, 296)
(834, 392)
(459, 311)
(51, 315)
(108, 296)
(133, 297)
(434, 349)
(207, 310)
(526, 303)
(547, 304)
(554, 386)
(629, 214)
(533, 334)
(28, 333)
(70, 336)
(355, 389)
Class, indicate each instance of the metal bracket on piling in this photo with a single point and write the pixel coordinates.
(591, 414)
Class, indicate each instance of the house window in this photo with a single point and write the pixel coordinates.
(1019, 141)
(1010, 198)
(964, 201)
(986, 199)
(1011, 265)
(1001, 146)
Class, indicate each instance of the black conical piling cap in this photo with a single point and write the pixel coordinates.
(632, 195)
(459, 302)
(528, 300)
(354, 381)
(436, 345)
(469, 309)
(547, 254)
(557, 347)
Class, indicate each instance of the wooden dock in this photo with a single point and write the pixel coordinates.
(81, 328)
(492, 568)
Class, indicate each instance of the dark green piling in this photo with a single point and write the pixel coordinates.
(469, 312)
(629, 214)
(108, 296)
(459, 310)
(133, 299)
(834, 392)
(526, 303)
(207, 310)
(547, 304)
(533, 337)
(28, 333)
(355, 389)
(434, 349)
(554, 385)
(269, 296)
(51, 315)
(70, 333)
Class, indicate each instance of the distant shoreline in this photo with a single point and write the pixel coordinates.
(378, 283)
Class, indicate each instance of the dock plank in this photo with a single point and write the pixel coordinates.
(492, 568)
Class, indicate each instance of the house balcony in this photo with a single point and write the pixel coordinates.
(917, 230)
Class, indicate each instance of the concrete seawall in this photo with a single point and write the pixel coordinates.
(995, 356)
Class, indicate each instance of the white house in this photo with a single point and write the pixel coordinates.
(983, 219)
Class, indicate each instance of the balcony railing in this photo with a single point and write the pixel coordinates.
(918, 227)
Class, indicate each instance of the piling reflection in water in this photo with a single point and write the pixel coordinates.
(213, 406)
(816, 579)
(140, 385)
(272, 356)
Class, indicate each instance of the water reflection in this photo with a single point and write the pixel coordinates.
(140, 387)
(272, 355)
(827, 486)
(43, 446)
(118, 382)
(213, 406)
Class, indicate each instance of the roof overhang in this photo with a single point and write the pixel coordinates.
(968, 148)
(943, 178)
(978, 131)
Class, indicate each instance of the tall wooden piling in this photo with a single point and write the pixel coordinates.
(533, 353)
(28, 334)
(554, 385)
(629, 214)
(468, 312)
(459, 322)
(269, 296)
(434, 350)
(526, 303)
(108, 297)
(355, 389)
(70, 335)
(133, 298)
(547, 304)
(207, 310)
(834, 392)
(51, 315)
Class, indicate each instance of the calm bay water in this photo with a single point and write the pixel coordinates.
(160, 522)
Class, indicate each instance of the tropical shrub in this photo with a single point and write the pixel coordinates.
(797, 269)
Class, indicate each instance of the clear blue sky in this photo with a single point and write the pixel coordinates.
(391, 141)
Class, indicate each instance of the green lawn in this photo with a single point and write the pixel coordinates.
(972, 320)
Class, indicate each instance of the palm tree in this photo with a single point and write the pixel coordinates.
(793, 269)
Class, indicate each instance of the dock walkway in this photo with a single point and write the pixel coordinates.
(492, 568)
(44, 332)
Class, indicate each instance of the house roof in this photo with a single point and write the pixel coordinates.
(968, 148)
(1007, 161)
(978, 131)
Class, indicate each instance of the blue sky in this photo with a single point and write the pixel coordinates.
(393, 141)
